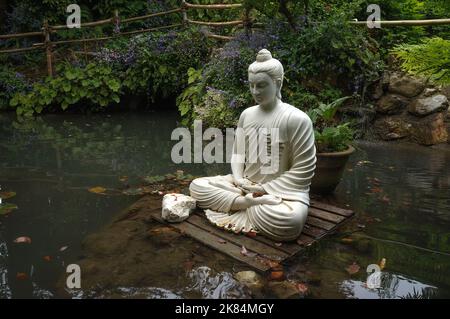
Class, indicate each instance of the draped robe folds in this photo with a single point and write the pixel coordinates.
(287, 176)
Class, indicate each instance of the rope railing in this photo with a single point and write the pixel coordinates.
(47, 30)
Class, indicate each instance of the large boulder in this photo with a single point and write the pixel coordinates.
(392, 104)
(405, 85)
(392, 127)
(427, 105)
(429, 130)
(446, 91)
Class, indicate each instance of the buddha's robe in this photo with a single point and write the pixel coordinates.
(290, 181)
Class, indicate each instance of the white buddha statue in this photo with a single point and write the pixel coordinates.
(254, 198)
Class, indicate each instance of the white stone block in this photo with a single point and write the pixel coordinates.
(177, 207)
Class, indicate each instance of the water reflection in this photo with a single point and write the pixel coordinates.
(400, 193)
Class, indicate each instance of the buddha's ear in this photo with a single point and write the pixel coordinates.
(279, 83)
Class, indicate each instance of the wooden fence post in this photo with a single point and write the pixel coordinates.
(48, 48)
(184, 8)
(116, 20)
(247, 22)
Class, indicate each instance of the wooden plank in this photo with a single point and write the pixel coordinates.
(314, 232)
(214, 242)
(305, 240)
(241, 240)
(319, 223)
(331, 208)
(330, 217)
(290, 248)
(313, 221)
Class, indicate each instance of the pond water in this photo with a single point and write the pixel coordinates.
(401, 194)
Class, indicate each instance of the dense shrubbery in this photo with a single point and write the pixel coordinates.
(155, 64)
(322, 61)
(324, 56)
(95, 85)
(11, 83)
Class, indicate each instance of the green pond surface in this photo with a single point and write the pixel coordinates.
(400, 193)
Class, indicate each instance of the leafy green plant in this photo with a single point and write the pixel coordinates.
(95, 85)
(330, 136)
(161, 62)
(431, 58)
(11, 82)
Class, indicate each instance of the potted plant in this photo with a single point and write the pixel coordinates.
(333, 146)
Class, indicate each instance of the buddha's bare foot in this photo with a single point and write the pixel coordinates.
(265, 199)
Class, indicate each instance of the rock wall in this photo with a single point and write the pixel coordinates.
(407, 108)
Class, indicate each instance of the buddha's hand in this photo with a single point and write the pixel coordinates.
(255, 188)
(240, 182)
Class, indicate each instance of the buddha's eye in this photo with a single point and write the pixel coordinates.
(262, 85)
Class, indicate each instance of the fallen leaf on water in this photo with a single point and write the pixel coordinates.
(188, 265)
(386, 199)
(6, 208)
(362, 226)
(251, 234)
(123, 178)
(377, 219)
(47, 258)
(270, 263)
(21, 276)
(276, 275)
(7, 195)
(347, 240)
(160, 230)
(302, 288)
(353, 269)
(63, 248)
(97, 190)
(376, 190)
(23, 240)
(247, 253)
(278, 244)
(222, 241)
(382, 263)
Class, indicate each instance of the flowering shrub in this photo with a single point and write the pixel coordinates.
(10, 83)
(322, 61)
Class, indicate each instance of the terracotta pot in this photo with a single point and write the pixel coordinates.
(329, 170)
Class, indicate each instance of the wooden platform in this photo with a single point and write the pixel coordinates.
(322, 220)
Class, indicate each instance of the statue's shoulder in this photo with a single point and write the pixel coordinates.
(248, 111)
(296, 116)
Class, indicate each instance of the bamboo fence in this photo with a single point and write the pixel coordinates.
(47, 30)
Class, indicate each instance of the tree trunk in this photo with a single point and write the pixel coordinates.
(285, 11)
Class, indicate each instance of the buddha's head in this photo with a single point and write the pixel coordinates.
(265, 77)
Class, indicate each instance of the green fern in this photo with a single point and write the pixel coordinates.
(431, 59)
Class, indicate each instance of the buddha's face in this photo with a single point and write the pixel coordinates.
(263, 88)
